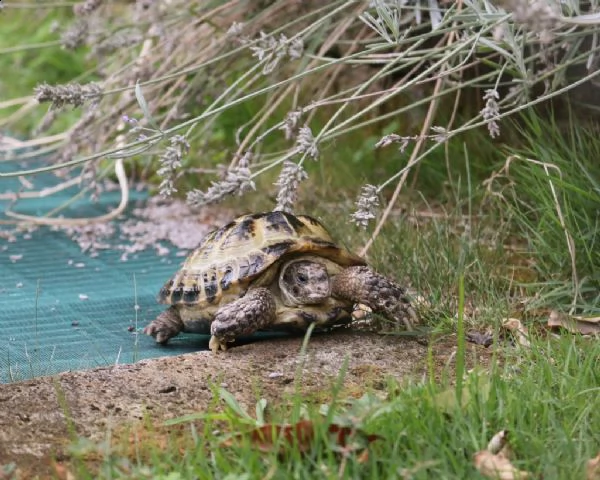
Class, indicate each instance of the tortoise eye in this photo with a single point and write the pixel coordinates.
(302, 278)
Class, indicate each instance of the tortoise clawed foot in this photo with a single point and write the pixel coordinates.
(246, 315)
(215, 344)
(159, 335)
(363, 285)
(165, 326)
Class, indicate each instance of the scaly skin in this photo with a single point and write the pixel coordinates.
(166, 325)
(244, 316)
(382, 295)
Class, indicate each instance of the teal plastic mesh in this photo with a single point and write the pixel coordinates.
(61, 309)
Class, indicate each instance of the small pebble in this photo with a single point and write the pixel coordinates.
(169, 389)
(275, 374)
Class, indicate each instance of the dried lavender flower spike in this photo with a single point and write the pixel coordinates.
(273, 50)
(245, 161)
(235, 30)
(170, 161)
(394, 138)
(295, 48)
(76, 35)
(85, 8)
(237, 180)
(290, 177)
(117, 41)
(367, 203)
(70, 94)
(130, 120)
(537, 16)
(290, 124)
(305, 143)
(491, 111)
(440, 134)
(388, 140)
(264, 46)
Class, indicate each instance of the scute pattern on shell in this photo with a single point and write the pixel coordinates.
(231, 257)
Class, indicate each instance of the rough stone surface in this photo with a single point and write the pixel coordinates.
(37, 416)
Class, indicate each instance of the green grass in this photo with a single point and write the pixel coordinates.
(553, 204)
(546, 396)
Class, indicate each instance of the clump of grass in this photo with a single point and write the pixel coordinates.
(549, 190)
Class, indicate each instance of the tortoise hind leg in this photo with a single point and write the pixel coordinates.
(382, 295)
(166, 325)
(244, 316)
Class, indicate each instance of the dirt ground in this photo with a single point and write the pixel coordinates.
(38, 417)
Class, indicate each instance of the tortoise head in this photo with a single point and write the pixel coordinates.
(304, 282)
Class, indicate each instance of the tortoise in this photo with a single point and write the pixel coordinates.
(272, 271)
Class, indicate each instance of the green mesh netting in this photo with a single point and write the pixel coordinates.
(61, 309)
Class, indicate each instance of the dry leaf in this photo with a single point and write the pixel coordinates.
(480, 338)
(264, 438)
(347, 440)
(302, 435)
(520, 332)
(574, 323)
(494, 462)
(497, 466)
(593, 468)
(61, 471)
(498, 442)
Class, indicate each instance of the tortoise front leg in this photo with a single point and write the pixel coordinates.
(166, 325)
(244, 316)
(382, 295)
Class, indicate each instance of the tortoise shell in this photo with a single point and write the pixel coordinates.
(232, 257)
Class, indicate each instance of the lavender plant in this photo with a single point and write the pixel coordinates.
(198, 62)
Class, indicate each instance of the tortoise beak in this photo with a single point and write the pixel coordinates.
(318, 296)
